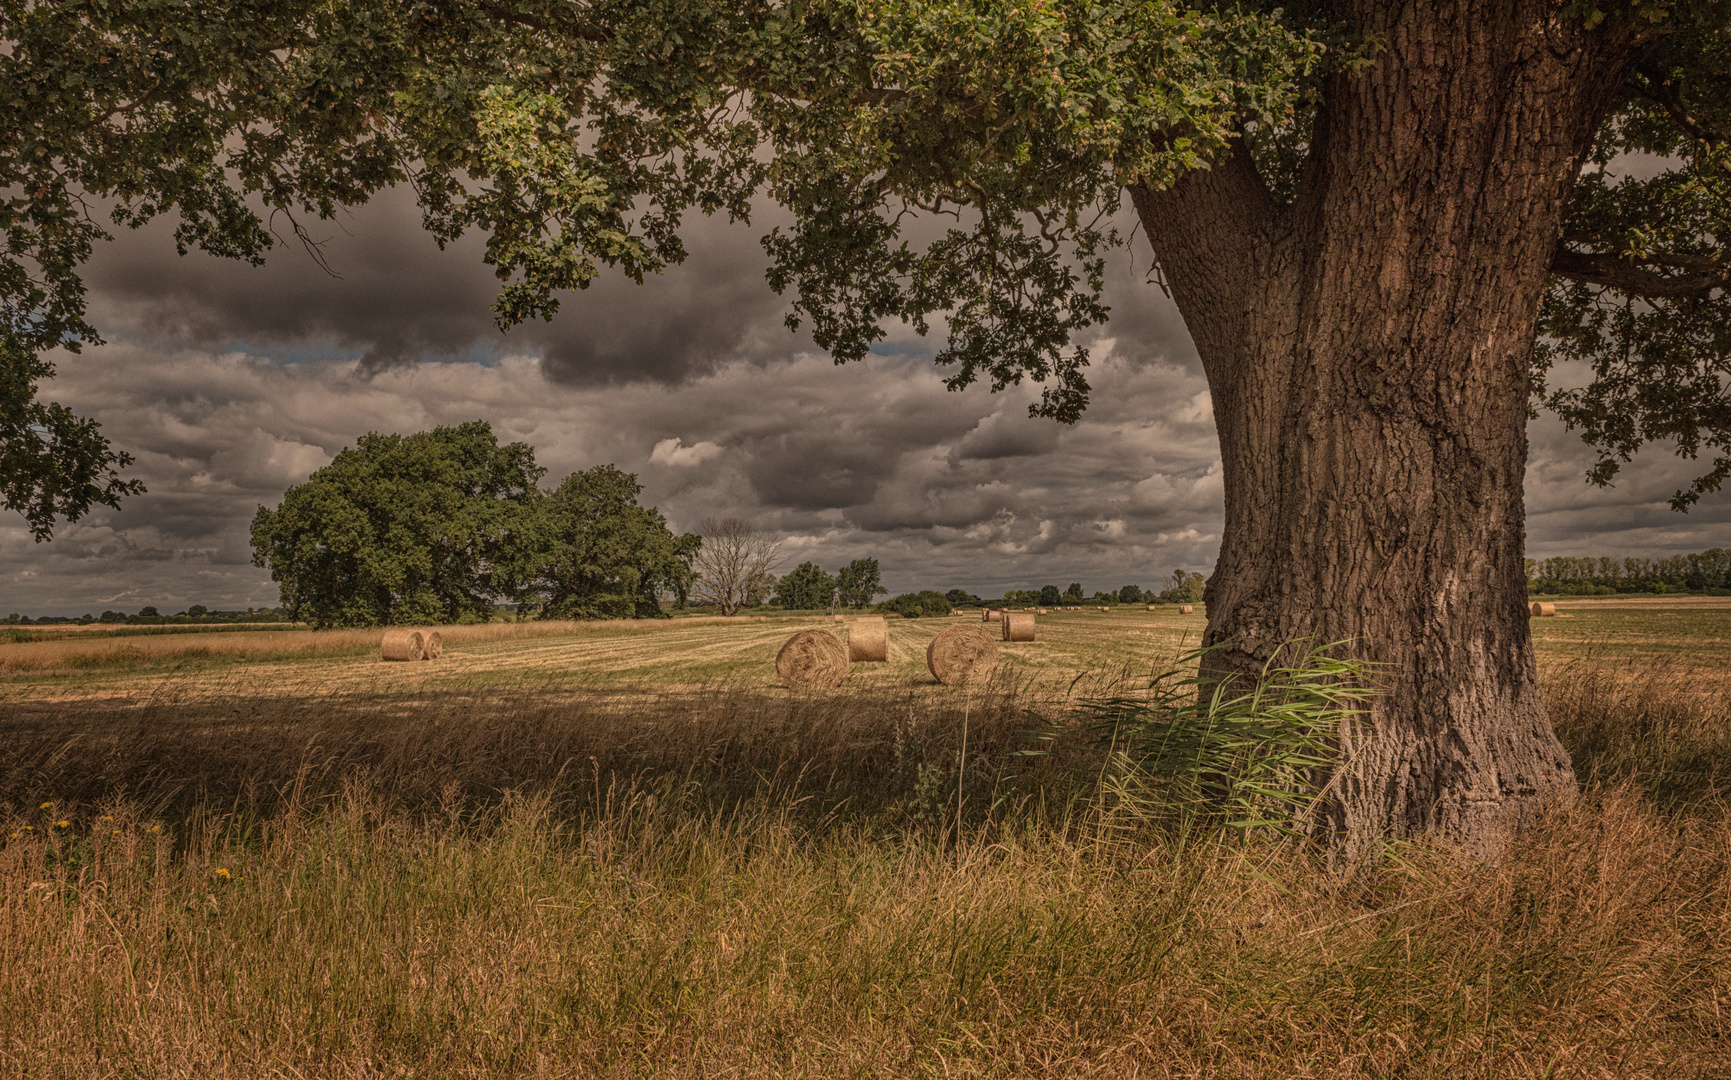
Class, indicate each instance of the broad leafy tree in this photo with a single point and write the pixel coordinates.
(1186, 588)
(1050, 596)
(404, 529)
(1391, 228)
(804, 588)
(597, 554)
(860, 583)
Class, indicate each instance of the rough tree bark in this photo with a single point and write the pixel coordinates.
(1367, 348)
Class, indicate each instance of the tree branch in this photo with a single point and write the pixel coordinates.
(1663, 92)
(1638, 278)
(1202, 228)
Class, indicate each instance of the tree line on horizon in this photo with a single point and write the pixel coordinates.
(1567, 575)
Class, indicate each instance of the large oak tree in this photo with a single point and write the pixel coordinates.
(1385, 223)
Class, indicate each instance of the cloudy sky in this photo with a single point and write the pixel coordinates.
(230, 384)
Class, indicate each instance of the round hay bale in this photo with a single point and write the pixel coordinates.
(1186, 609)
(992, 615)
(962, 656)
(1039, 611)
(812, 660)
(432, 645)
(1150, 607)
(1018, 627)
(868, 640)
(1543, 610)
(957, 611)
(402, 643)
(837, 619)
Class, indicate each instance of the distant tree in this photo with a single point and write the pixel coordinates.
(1186, 588)
(599, 555)
(860, 583)
(149, 613)
(403, 529)
(1073, 595)
(112, 617)
(960, 597)
(917, 605)
(804, 588)
(735, 565)
(197, 610)
(1050, 596)
(1130, 594)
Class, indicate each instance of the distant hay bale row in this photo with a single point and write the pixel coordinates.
(991, 615)
(405, 643)
(1540, 610)
(962, 656)
(957, 656)
(1185, 609)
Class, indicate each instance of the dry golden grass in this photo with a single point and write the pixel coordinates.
(469, 880)
(73, 654)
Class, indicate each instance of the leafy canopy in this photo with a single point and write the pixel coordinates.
(52, 464)
(951, 162)
(804, 588)
(860, 582)
(440, 525)
(423, 528)
(596, 554)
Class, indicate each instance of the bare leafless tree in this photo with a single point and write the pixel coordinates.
(736, 565)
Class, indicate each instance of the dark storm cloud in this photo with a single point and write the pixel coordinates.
(381, 291)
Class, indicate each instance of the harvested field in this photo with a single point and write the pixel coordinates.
(621, 850)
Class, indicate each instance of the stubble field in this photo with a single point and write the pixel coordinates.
(622, 850)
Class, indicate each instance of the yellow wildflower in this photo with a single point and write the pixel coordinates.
(116, 832)
(62, 824)
(46, 806)
(222, 872)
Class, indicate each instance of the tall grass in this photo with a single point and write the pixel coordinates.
(725, 883)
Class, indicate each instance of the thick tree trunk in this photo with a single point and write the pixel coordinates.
(1367, 348)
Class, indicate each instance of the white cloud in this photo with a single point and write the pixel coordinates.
(669, 452)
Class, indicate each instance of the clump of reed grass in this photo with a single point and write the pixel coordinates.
(1245, 752)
